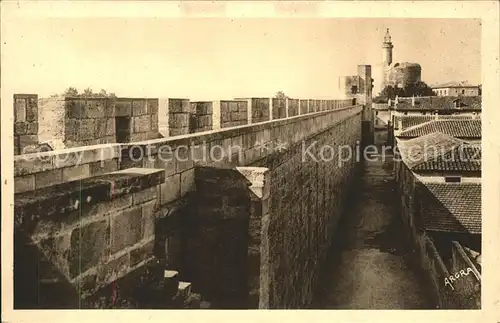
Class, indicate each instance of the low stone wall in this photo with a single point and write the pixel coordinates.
(297, 231)
(294, 234)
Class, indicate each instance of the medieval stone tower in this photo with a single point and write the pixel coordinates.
(397, 74)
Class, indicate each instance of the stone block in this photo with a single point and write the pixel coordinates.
(187, 181)
(126, 228)
(152, 106)
(184, 289)
(110, 127)
(148, 218)
(75, 172)
(85, 129)
(24, 183)
(123, 108)
(27, 140)
(141, 253)
(48, 178)
(84, 109)
(89, 244)
(103, 167)
(19, 110)
(20, 128)
(154, 122)
(111, 207)
(114, 269)
(139, 108)
(32, 128)
(171, 189)
(100, 127)
(170, 283)
(141, 124)
(95, 108)
(179, 106)
(145, 195)
(178, 120)
(178, 131)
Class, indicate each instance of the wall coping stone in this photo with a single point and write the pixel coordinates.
(43, 161)
(57, 200)
(224, 133)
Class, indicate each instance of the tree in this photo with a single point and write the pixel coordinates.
(87, 93)
(280, 95)
(418, 89)
(71, 91)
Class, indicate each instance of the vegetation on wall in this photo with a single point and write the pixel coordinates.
(280, 95)
(87, 93)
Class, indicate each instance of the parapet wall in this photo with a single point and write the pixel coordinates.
(65, 122)
(295, 216)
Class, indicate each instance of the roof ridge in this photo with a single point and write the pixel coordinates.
(416, 126)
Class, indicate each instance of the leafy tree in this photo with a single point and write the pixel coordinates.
(87, 93)
(417, 89)
(280, 95)
(71, 91)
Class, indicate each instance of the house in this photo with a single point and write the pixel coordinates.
(431, 105)
(438, 179)
(455, 89)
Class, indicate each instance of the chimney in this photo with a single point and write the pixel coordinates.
(413, 101)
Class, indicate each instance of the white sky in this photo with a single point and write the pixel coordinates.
(216, 58)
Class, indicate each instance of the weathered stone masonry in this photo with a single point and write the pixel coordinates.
(295, 201)
(25, 121)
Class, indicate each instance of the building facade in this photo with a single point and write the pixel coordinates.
(456, 89)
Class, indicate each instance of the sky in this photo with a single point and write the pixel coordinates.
(223, 58)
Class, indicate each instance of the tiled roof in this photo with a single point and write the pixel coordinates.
(450, 207)
(463, 158)
(470, 128)
(410, 121)
(440, 103)
(425, 148)
(440, 152)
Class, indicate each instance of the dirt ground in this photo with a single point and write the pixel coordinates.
(370, 263)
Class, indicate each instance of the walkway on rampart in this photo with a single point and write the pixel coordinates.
(370, 264)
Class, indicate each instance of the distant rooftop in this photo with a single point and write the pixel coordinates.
(452, 84)
(459, 128)
(413, 120)
(439, 103)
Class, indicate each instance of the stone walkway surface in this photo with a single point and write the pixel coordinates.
(370, 263)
